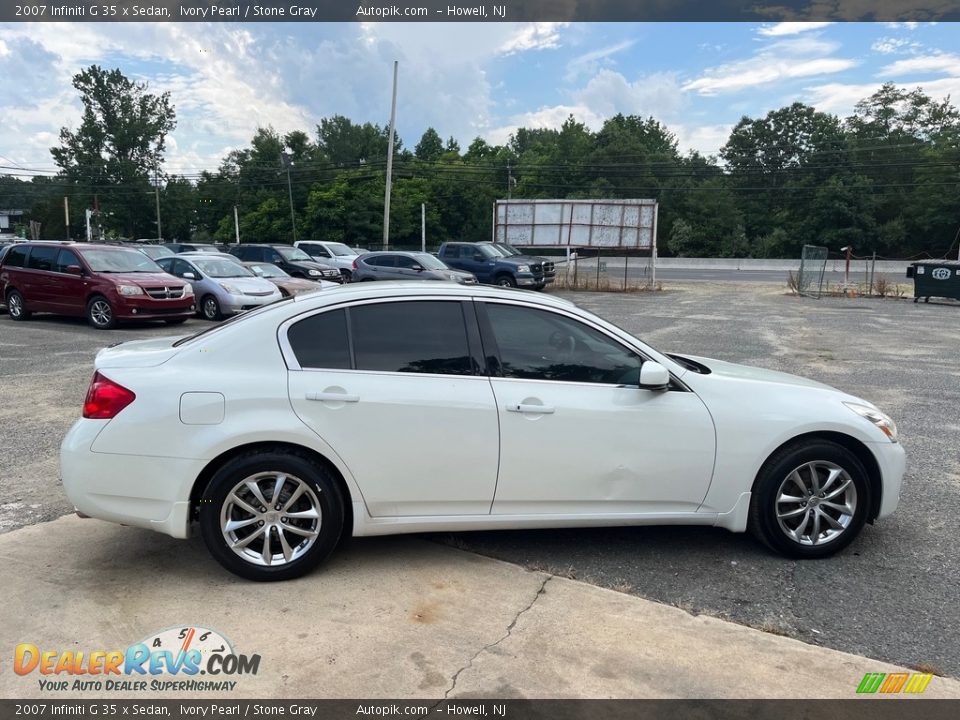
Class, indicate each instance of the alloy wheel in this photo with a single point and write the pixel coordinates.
(101, 313)
(816, 503)
(271, 518)
(15, 306)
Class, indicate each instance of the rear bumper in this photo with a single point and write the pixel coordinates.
(145, 492)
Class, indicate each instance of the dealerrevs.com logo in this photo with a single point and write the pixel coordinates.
(171, 660)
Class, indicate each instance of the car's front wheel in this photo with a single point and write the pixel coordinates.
(210, 308)
(100, 313)
(271, 515)
(506, 281)
(811, 499)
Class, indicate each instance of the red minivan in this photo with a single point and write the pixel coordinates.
(104, 283)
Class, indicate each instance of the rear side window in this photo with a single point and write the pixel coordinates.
(320, 341)
(381, 261)
(43, 258)
(412, 337)
(16, 256)
(450, 251)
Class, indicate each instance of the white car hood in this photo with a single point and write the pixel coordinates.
(755, 374)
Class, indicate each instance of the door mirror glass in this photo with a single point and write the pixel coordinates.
(654, 376)
(189, 276)
(477, 257)
(418, 268)
(74, 269)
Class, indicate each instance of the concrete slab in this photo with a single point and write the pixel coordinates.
(392, 618)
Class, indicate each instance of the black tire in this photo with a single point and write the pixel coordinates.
(326, 493)
(505, 280)
(17, 306)
(175, 321)
(100, 313)
(346, 275)
(210, 308)
(763, 520)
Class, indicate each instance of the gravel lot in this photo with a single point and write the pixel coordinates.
(893, 595)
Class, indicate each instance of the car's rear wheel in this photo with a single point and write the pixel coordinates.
(16, 307)
(811, 499)
(506, 281)
(271, 515)
(100, 313)
(210, 308)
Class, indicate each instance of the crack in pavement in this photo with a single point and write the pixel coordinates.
(513, 623)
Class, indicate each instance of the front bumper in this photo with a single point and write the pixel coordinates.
(892, 461)
(129, 489)
(241, 303)
(137, 307)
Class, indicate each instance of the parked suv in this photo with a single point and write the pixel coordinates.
(291, 260)
(105, 283)
(493, 267)
(388, 265)
(333, 253)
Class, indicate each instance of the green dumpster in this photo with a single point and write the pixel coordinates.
(935, 278)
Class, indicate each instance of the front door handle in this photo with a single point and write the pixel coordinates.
(333, 397)
(531, 409)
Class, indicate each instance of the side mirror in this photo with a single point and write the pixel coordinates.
(189, 276)
(654, 376)
(74, 269)
(417, 268)
(478, 257)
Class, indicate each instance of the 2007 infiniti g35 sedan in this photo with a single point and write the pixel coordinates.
(394, 408)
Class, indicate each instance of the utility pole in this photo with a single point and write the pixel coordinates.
(66, 214)
(386, 195)
(287, 161)
(423, 227)
(846, 276)
(236, 224)
(509, 180)
(156, 189)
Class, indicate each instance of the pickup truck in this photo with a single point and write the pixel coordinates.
(494, 267)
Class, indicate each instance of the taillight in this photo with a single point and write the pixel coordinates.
(354, 264)
(105, 398)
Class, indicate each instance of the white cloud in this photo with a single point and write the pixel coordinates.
(840, 98)
(705, 139)
(589, 62)
(776, 62)
(889, 45)
(533, 36)
(904, 25)
(939, 63)
(790, 28)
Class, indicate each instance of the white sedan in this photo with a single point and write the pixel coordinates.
(394, 408)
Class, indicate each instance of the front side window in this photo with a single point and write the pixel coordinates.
(43, 258)
(412, 337)
(65, 259)
(406, 262)
(541, 345)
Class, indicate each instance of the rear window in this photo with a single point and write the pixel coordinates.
(16, 256)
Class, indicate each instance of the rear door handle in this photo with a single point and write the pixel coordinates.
(333, 397)
(531, 409)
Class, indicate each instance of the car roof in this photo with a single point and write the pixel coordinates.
(395, 252)
(401, 288)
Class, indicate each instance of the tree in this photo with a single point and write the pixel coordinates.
(119, 145)
(430, 147)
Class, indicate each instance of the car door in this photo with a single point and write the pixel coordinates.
(577, 433)
(385, 267)
(71, 287)
(405, 268)
(402, 400)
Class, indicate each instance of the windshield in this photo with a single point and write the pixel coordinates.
(119, 260)
(267, 270)
(429, 262)
(488, 252)
(217, 268)
(339, 249)
(157, 252)
(292, 254)
(507, 249)
(499, 250)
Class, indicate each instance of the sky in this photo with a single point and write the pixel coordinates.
(463, 79)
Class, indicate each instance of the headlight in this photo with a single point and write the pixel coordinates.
(884, 422)
(187, 290)
(230, 289)
(314, 273)
(523, 268)
(129, 290)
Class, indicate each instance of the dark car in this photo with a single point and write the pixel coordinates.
(155, 252)
(389, 265)
(104, 283)
(493, 267)
(291, 260)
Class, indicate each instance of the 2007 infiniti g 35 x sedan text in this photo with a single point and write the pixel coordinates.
(393, 408)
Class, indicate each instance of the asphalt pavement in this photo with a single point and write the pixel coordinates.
(893, 595)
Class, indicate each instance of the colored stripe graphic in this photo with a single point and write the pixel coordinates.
(870, 683)
(894, 682)
(918, 683)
